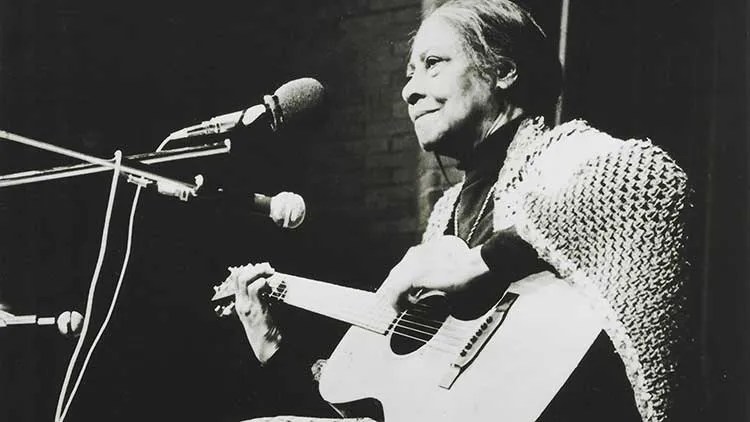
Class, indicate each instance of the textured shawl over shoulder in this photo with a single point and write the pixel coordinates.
(607, 214)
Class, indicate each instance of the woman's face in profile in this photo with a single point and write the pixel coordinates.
(450, 102)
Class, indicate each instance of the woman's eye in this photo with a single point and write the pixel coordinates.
(431, 61)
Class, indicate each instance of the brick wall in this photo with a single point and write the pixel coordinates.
(365, 165)
(364, 170)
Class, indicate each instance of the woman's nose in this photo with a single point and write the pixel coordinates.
(412, 90)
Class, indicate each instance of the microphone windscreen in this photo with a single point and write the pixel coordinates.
(299, 96)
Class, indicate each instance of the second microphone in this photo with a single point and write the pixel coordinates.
(286, 209)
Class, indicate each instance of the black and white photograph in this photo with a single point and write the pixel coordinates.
(374, 210)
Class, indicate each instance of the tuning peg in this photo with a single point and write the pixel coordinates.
(228, 310)
(224, 311)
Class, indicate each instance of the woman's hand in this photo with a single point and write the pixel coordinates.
(445, 264)
(253, 310)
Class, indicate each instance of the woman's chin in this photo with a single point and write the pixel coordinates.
(429, 141)
(437, 144)
(427, 146)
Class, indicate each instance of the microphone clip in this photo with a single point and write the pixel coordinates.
(274, 107)
(169, 187)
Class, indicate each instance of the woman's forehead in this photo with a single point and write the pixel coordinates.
(436, 33)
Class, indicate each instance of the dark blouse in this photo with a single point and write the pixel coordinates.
(481, 170)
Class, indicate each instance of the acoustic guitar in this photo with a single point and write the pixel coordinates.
(435, 362)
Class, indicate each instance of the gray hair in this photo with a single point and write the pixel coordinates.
(494, 31)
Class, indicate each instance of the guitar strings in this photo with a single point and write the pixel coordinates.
(459, 333)
(385, 320)
(424, 322)
(438, 341)
(448, 331)
(417, 310)
(414, 320)
(397, 326)
(422, 310)
(287, 279)
(346, 314)
(423, 315)
(435, 343)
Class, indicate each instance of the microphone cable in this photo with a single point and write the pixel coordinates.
(61, 412)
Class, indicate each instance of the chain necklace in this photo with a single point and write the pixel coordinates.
(478, 217)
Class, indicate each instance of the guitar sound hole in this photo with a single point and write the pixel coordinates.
(418, 324)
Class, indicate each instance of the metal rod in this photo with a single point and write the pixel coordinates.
(562, 52)
(6, 319)
(107, 165)
(32, 176)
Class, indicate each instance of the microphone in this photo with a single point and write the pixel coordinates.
(286, 209)
(70, 323)
(289, 102)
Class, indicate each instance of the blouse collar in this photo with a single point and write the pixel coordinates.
(489, 155)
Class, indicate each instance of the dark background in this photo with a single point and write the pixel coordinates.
(99, 76)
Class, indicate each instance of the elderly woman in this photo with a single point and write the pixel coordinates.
(590, 211)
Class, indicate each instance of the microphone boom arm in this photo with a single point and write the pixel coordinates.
(6, 319)
(94, 165)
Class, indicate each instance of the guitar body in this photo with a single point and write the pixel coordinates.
(520, 367)
(486, 357)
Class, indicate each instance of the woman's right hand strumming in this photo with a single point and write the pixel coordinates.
(253, 309)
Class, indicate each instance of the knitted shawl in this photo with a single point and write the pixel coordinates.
(607, 214)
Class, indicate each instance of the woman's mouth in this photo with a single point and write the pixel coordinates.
(419, 114)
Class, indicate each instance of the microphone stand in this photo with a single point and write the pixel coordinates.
(134, 175)
(96, 165)
(141, 178)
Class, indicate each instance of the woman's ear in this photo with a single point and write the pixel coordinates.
(506, 74)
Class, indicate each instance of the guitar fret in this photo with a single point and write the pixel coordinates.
(342, 303)
(346, 304)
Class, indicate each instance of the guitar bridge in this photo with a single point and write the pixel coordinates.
(474, 345)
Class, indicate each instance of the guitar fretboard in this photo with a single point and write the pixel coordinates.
(355, 307)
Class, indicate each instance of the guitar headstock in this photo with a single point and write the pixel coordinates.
(226, 310)
(224, 292)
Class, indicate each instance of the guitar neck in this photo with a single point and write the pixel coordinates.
(355, 307)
